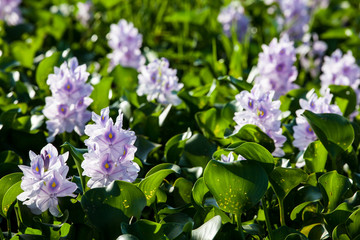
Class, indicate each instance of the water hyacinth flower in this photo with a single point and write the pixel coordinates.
(10, 12)
(311, 54)
(276, 66)
(340, 69)
(232, 16)
(230, 157)
(303, 133)
(158, 81)
(84, 14)
(258, 108)
(125, 41)
(66, 109)
(296, 17)
(45, 180)
(111, 151)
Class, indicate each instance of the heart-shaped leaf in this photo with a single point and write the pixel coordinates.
(199, 190)
(208, 230)
(236, 185)
(315, 157)
(108, 207)
(10, 197)
(333, 187)
(5, 184)
(353, 224)
(334, 131)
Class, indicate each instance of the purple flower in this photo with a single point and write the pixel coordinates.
(311, 54)
(340, 70)
(276, 70)
(232, 16)
(46, 167)
(84, 14)
(125, 41)
(230, 158)
(10, 12)
(110, 151)
(258, 108)
(66, 108)
(296, 17)
(158, 81)
(303, 133)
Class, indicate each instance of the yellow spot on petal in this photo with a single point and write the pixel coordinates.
(53, 184)
(106, 165)
(37, 169)
(102, 118)
(68, 86)
(62, 109)
(110, 135)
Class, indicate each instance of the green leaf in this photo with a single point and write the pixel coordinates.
(10, 197)
(315, 157)
(5, 184)
(127, 237)
(175, 146)
(236, 185)
(208, 230)
(334, 131)
(46, 66)
(199, 150)
(100, 94)
(255, 152)
(77, 155)
(175, 224)
(144, 230)
(348, 95)
(283, 180)
(353, 224)
(333, 187)
(299, 208)
(340, 233)
(150, 184)
(182, 191)
(144, 147)
(240, 84)
(338, 216)
(199, 190)
(252, 133)
(211, 124)
(108, 207)
(125, 77)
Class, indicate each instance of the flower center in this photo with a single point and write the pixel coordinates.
(53, 185)
(107, 165)
(110, 135)
(37, 169)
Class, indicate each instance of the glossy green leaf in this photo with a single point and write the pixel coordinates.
(175, 224)
(299, 208)
(10, 197)
(338, 216)
(175, 146)
(100, 94)
(199, 150)
(150, 184)
(348, 95)
(46, 66)
(199, 190)
(240, 84)
(334, 131)
(127, 237)
(353, 224)
(340, 233)
(108, 207)
(144, 230)
(6, 183)
(315, 157)
(333, 187)
(208, 230)
(182, 191)
(295, 236)
(283, 180)
(163, 166)
(236, 185)
(255, 152)
(252, 133)
(211, 123)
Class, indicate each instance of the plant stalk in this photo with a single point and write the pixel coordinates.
(282, 212)
(267, 219)
(239, 225)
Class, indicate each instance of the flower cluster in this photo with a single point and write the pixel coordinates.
(232, 16)
(276, 70)
(158, 81)
(296, 17)
(258, 108)
(84, 12)
(340, 69)
(10, 12)
(311, 54)
(125, 41)
(45, 180)
(303, 133)
(110, 151)
(66, 108)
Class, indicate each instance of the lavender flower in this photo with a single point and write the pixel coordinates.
(340, 70)
(45, 180)
(110, 151)
(84, 12)
(230, 157)
(296, 17)
(232, 16)
(66, 108)
(311, 54)
(258, 108)
(125, 41)
(10, 12)
(303, 133)
(158, 81)
(276, 70)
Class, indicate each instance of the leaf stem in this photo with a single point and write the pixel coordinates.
(239, 225)
(8, 227)
(155, 211)
(267, 218)
(282, 212)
